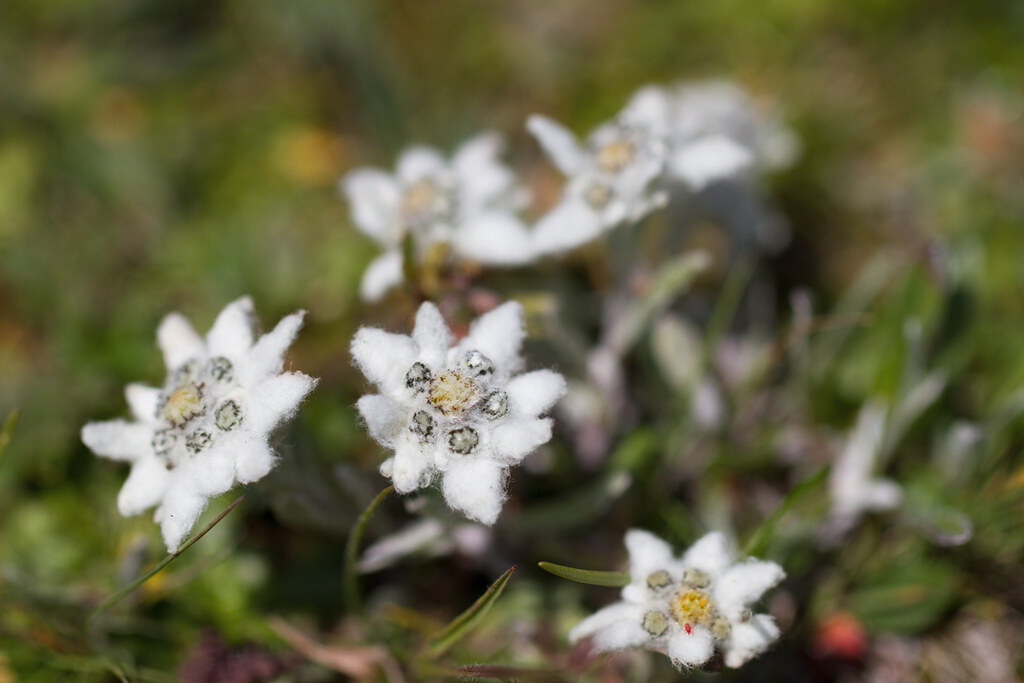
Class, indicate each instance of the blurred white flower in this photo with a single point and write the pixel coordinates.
(208, 427)
(456, 411)
(468, 202)
(687, 607)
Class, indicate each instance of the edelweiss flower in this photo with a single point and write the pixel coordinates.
(208, 426)
(468, 203)
(459, 411)
(686, 608)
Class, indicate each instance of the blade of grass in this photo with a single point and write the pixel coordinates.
(594, 578)
(130, 588)
(462, 624)
(8, 429)
(351, 576)
(757, 540)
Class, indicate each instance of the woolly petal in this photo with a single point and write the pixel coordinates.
(498, 335)
(178, 514)
(494, 238)
(374, 198)
(535, 392)
(232, 333)
(266, 357)
(475, 486)
(254, 462)
(482, 176)
(621, 635)
(882, 494)
(743, 583)
(419, 162)
(118, 439)
(570, 224)
(383, 273)
(605, 617)
(749, 639)
(144, 487)
(178, 340)
(648, 107)
(701, 163)
(143, 401)
(647, 554)
(384, 418)
(384, 358)
(431, 335)
(709, 554)
(516, 439)
(559, 143)
(276, 399)
(410, 469)
(213, 472)
(691, 649)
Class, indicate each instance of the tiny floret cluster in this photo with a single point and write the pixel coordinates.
(467, 203)
(455, 411)
(208, 427)
(687, 607)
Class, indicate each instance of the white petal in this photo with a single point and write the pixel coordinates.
(143, 401)
(274, 400)
(384, 418)
(476, 486)
(266, 357)
(118, 439)
(431, 335)
(212, 472)
(387, 467)
(534, 393)
(410, 469)
(498, 335)
(743, 583)
(882, 494)
(144, 487)
(383, 273)
(607, 616)
(384, 358)
(419, 162)
(559, 143)
(374, 199)
(254, 462)
(178, 340)
(647, 554)
(516, 439)
(570, 224)
(691, 649)
(708, 159)
(178, 514)
(648, 107)
(231, 334)
(483, 178)
(494, 238)
(709, 554)
(750, 639)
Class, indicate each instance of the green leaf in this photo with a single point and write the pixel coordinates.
(458, 627)
(906, 598)
(757, 541)
(8, 429)
(355, 537)
(594, 578)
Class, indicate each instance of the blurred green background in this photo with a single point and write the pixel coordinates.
(159, 156)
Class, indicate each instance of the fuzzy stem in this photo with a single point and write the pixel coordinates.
(351, 577)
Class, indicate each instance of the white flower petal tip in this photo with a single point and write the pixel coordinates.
(383, 274)
(207, 427)
(687, 607)
(457, 415)
(711, 159)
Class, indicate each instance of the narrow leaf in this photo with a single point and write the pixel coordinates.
(757, 540)
(355, 537)
(594, 578)
(462, 624)
(8, 429)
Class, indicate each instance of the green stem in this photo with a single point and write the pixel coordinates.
(351, 586)
(127, 590)
(9, 424)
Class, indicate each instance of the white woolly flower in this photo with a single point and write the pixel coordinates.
(208, 427)
(687, 607)
(468, 202)
(611, 178)
(459, 412)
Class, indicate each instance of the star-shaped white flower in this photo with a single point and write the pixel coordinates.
(468, 202)
(687, 607)
(459, 412)
(208, 427)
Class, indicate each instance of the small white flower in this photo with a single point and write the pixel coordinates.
(687, 607)
(468, 202)
(208, 427)
(457, 411)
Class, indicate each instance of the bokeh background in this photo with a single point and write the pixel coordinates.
(159, 156)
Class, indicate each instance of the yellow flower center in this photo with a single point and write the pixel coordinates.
(452, 392)
(692, 607)
(615, 156)
(424, 201)
(183, 404)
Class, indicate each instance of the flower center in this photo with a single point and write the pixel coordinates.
(425, 202)
(453, 392)
(690, 606)
(616, 155)
(184, 403)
